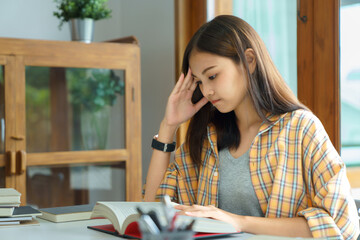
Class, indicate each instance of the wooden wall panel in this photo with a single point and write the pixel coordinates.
(223, 7)
(189, 16)
(318, 63)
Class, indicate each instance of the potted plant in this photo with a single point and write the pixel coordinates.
(81, 14)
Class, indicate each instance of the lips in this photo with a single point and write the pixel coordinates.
(215, 101)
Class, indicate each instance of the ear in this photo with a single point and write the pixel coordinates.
(251, 59)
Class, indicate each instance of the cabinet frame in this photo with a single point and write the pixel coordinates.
(15, 54)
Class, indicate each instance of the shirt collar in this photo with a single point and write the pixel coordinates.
(274, 119)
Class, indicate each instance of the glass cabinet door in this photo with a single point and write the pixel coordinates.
(72, 121)
(74, 109)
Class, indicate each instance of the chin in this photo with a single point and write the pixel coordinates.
(223, 110)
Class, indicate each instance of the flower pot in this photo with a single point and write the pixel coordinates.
(82, 29)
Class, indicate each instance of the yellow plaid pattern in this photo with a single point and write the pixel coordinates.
(295, 171)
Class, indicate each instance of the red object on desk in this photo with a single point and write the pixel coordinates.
(132, 231)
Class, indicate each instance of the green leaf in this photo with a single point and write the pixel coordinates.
(68, 9)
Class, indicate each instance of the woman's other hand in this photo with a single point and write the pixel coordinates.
(210, 212)
(179, 107)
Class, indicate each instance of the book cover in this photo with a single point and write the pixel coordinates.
(12, 219)
(10, 204)
(133, 232)
(32, 222)
(9, 196)
(67, 213)
(6, 211)
(24, 211)
(7, 192)
(9, 223)
(9, 200)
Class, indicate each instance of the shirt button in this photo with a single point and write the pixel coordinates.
(215, 174)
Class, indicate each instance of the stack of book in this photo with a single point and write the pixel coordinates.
(9, 199)
(11, 213)
(68, 213)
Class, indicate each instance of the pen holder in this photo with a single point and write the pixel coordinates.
(165, 235)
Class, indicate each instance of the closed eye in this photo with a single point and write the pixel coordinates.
(212, 77)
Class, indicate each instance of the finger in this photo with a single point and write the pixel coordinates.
(181, 213)
(201, 103)
(193, 86)
(199, 213)
(203, 211)
(180, 207)
(187, 81)
(191, 79)
(179, 83)
(185, 208)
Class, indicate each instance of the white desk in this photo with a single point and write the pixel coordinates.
(68, 231)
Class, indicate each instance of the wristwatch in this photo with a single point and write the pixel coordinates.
(165, 147)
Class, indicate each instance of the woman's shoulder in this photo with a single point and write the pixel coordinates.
(303, 117)
(302, 113)
(305, 121)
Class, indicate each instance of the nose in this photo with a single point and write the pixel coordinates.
(206, 90)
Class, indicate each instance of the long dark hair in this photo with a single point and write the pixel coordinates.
(230, 36)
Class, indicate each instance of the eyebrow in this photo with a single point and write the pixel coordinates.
(205, 70)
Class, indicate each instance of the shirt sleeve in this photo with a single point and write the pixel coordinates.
(168, 185)
(332, 212)
(180, 179)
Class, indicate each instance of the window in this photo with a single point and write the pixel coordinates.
(350, 81)
(275, 22)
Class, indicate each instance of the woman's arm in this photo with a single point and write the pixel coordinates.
(158, 163)
(290, 227)
(179, 109)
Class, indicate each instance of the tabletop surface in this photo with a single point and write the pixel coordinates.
(69, 230)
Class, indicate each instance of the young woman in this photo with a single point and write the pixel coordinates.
(254, 156)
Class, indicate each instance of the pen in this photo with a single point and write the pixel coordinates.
(150, 225)
(155, 219)
(168, 210)
(172, 225)
(142, 226)
(189, 227)
(138, 209)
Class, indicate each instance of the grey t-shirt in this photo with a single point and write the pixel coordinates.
(236, 192)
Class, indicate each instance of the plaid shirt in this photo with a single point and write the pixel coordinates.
(295, 171)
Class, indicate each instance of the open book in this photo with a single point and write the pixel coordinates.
(123, 216)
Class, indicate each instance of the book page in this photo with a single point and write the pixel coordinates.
(118, 212)
(123, 213)
(205, 225)
(212, 226)
(6, 192)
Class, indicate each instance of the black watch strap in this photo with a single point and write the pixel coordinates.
(165, 147)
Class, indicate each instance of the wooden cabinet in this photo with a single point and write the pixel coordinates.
(70, 116)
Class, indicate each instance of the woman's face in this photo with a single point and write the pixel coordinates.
(221, 81)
